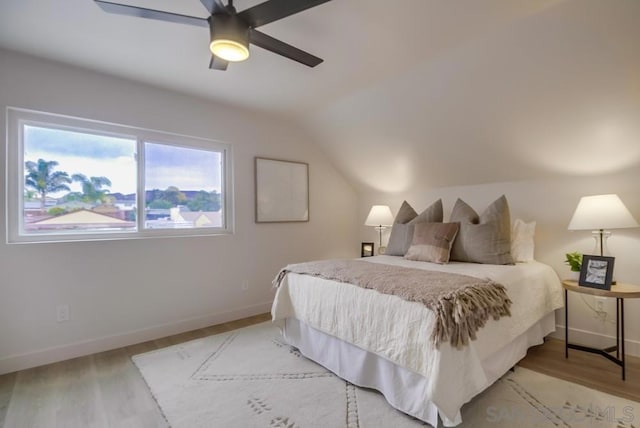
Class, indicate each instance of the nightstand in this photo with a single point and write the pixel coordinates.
(620, 292)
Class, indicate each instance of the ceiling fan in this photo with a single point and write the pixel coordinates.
(231, 31)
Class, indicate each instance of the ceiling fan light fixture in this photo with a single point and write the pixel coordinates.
(229, 38)
(231, 31)
(229, 50)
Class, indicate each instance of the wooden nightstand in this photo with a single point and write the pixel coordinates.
(620, 291)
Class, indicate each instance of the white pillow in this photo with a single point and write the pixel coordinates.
(522, 244)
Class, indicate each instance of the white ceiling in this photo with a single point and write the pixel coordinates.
(411, 93)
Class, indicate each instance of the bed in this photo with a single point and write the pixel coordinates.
(378, 341)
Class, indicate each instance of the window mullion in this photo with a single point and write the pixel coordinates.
(140, 186)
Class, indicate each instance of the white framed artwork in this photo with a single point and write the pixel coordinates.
(282, 190)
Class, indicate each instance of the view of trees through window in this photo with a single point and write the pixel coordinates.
(86, 181)
(184, 182)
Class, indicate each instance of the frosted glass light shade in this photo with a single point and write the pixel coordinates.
(229, 50)
(601, 212)
(380, 215)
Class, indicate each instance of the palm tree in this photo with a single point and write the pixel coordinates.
(92, 187)
(41, 177)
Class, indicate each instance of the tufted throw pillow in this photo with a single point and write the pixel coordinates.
(484, 238)
(402, 231)
(432, 242)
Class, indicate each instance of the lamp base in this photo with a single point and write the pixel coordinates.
(601, 236)
(382, 250)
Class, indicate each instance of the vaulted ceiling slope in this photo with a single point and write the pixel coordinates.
(411, 93)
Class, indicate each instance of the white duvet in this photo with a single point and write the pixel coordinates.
(399, 331)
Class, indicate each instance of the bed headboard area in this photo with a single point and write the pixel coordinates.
(488, 238)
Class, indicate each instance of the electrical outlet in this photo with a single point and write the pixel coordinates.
(62, 313)
(245, 285)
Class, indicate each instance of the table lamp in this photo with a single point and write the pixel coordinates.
(380, 217)
(599, 213)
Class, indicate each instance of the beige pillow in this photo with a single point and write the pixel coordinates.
(484, 238)
(432, 242)
(522, 243)
(402, 231)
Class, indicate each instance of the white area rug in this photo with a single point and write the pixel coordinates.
(251, 378)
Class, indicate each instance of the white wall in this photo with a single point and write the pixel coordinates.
(551, 203)
(122, 292)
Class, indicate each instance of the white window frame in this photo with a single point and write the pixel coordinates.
(17, 118)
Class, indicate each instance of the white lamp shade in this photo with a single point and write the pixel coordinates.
(380, 215)
(601, 212)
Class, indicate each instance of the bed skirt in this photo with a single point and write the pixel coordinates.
(402, 388)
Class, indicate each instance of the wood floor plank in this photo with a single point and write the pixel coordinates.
(7, 382)
(127, 397)
(77, 398)
(590, 370)
(32, 402)
(140, 348)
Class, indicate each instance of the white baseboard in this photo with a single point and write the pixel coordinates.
(41, 357)
(589, 338)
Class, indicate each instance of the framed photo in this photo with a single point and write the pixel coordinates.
(596, 272)
(282, 190)
(366, 250)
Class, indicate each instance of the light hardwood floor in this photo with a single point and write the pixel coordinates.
(106, 389)
(591, 370)
(100, 390)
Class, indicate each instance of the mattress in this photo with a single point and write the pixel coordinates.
(398, 331)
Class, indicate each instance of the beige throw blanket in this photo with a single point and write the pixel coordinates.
(462, 304)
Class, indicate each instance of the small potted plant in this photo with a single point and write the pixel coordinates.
(574, 260)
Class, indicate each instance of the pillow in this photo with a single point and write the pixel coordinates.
(399, 239)
(405, 214)
(433, 214)
(485, 238)
(522, 244)
(432, 242)
(402, 231)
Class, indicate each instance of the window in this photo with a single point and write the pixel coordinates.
(76, 179)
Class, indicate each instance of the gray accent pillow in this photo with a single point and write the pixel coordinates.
(432, 242)
(400, 239)
(433, 214)
(402, 232)
(406, 213)
(485, 238)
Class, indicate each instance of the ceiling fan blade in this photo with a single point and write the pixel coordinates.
(272, 10)
(123, 9)
(218, 63)
(281, 48)
(214, 6)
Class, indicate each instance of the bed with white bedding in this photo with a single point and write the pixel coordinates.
(381, 341)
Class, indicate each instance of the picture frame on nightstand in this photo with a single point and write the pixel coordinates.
(366, 249)
(596, 272)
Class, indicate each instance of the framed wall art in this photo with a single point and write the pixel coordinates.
(282, 190)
